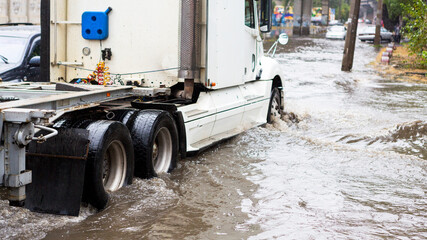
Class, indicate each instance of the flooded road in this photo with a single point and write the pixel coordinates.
(348, 161)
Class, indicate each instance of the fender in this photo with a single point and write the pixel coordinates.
(270, 68)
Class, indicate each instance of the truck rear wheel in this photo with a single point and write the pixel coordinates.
(110, 162)
(274, 108)
(123, 115)
(155, 138)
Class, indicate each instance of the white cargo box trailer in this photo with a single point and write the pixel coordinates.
(173, 77)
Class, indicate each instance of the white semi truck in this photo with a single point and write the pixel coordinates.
(131, 87)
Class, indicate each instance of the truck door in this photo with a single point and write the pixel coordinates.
(249, 41)
(232, 37)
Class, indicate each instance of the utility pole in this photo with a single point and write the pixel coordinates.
(350, 40)
(377, 39)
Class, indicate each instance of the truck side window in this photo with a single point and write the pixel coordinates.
(249, 14)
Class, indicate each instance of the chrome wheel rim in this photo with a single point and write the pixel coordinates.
(114, 166)
(162, 151)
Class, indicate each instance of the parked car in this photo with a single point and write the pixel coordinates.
(368, 34)
(20, 53)
(367, 21)
(336, 32)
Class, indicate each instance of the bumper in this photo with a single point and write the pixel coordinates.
(367, 37)
(334, 37)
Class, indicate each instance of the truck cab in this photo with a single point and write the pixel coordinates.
(209, 52)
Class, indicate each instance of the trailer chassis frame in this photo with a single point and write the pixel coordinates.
(38, 107)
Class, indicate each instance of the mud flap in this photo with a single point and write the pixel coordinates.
(58, 168)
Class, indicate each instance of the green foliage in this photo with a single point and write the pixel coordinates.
(424, 59)
(345, 11)
(342, 9)
(415, 17)
(394, 8)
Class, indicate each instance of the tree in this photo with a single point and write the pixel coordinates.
(394, 8)
(342, 9)
(415, 18)
(345, 11)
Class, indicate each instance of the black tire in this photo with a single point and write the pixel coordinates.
(123, 115)
(110, 163)
(155, 138)
(274, 107)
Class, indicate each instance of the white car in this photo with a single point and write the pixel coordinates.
(336, 32)
(334, 23)
(368, 34)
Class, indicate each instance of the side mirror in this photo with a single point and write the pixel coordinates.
(265, 16)
(283, 39)
(34, 61)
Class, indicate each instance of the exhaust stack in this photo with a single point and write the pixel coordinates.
(190, 44)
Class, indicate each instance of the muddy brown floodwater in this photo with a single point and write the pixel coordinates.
(348, 161)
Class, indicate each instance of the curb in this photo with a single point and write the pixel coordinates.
(387, 54)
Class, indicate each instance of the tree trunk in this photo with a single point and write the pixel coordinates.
(377, 40)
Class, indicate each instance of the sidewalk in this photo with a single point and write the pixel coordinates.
(403, 66)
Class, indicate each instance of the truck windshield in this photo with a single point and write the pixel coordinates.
(11, 49)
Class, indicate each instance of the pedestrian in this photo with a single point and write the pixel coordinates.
(397, 35)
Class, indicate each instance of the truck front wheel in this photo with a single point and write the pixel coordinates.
(274, 109)
(110, 162)
(155, 138)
